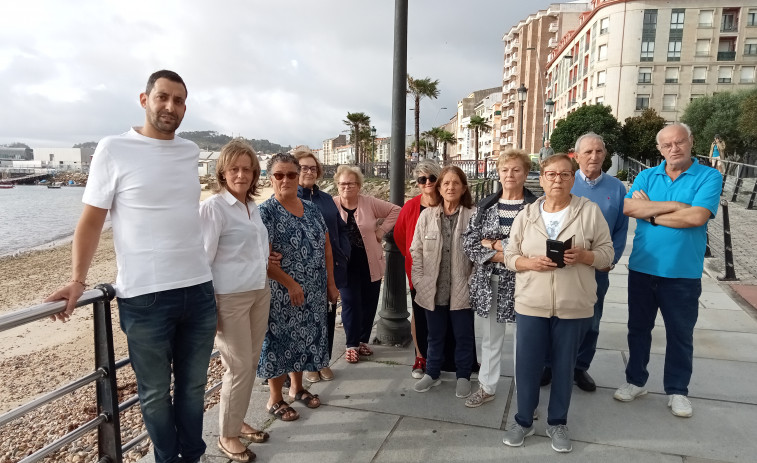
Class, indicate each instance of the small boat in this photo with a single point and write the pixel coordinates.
(7, 187)
(53, 185)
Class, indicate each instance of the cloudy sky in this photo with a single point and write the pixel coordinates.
(284, 70)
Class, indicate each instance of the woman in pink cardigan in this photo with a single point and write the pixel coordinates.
(368, 219)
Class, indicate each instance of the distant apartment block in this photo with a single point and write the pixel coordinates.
(465, 109)
(661, 54)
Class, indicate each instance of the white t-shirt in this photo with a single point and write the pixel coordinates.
(152, 190)
(553, 221)
(236, 245)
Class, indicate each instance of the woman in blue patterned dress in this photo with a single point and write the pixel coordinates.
(297, 337)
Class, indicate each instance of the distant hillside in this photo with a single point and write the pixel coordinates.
(213, 141)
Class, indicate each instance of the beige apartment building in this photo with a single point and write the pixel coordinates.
(528, 45)
(661, 54)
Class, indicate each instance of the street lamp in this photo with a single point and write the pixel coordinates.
(522, 93)
(549, 106)
(373, 144)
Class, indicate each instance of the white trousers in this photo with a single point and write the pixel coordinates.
(492, 344)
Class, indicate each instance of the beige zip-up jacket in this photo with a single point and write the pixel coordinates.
(426, 251)
(568, 292)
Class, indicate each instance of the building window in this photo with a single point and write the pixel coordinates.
(703, 47)
(694, 96)
(645, 75)
(650, 20)
(728, 23)
(604, 26)
(671, 75)
(750, 47)
(642, 102)
(725, 74)
(602, 51)
(747, 75)
(669, 102)
(601, 78)
(751, 18)
(706, 17)
(676, 19)
(674, 50)
(699, 75)
(647, 50)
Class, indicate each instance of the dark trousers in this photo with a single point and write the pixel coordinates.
(678, 301)
(359, 302)
(537, 337)
(589, 345)
(440, 321)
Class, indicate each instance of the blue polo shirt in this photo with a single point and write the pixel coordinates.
(674, 252)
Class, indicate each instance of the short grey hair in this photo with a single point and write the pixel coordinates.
(589, 135)
(427, 167)
(286, 158)
(680, 124)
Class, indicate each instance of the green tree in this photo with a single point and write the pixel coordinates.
(446, 138)
(477, 124)
(747, 123)
(86, 144)
(716, 115)
(357, 122)
(639, 133)
(592, 118)
(434, 135)
(421, 88)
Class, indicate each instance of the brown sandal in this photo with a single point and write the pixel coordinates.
(307, 398)
(243, 456)
(282, 411)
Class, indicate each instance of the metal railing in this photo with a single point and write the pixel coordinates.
(737, 176)
(635, 166)
(108, 420)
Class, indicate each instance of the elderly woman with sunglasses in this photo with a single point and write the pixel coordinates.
(310, 171)
(555, 295)
(297, 336)
(368, 219)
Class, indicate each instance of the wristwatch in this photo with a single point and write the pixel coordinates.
(651, 220)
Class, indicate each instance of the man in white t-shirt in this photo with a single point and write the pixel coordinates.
(147, 179)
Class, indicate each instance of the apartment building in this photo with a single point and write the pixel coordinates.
(328, 151)
(661, 54)
(528, 45)
(466, 108)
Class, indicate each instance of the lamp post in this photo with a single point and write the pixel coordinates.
(522, 93)
(373, 144)
(549, 106)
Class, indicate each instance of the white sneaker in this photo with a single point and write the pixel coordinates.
(426, 383)
(627, 392)
(680, 405)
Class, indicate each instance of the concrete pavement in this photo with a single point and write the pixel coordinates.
(371, 414)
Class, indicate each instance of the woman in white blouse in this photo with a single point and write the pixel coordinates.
(236, 242)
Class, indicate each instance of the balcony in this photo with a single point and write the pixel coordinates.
(553, 27)
(730, 28)
(726, 56)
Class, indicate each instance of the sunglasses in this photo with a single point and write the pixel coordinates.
(289, 175)
(431, 178)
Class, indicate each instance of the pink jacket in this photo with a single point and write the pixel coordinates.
(369, 211)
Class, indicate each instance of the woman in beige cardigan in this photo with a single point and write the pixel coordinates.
(368, 219)
(440, 275)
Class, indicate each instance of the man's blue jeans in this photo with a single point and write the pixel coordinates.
(678, 301)
(589, 345)
(172, 328)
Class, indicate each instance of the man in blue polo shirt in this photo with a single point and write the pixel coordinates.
(672, 204)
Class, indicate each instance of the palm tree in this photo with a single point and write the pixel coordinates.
(477, 124)
(433, 134)
(357, 122)
(420, 88)
(446, 138)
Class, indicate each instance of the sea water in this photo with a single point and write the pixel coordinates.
(33, 215)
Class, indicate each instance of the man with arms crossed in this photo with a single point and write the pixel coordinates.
(147, 179)
(672, 204)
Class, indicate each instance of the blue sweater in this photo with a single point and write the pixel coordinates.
(608, 193)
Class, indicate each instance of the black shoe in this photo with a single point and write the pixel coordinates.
(584, 381)
(546, 376)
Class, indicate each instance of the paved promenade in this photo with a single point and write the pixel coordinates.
(371, 414)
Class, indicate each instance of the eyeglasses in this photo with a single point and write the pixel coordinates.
(313, 169)
(281, 175)
(347, 184)
(669, 146)
(551, 175)
(423, 179)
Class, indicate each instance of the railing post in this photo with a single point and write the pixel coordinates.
(730, 273)
(108, 432)
(754, 195)
(707, 250)
(739, 173)
(725, 175)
